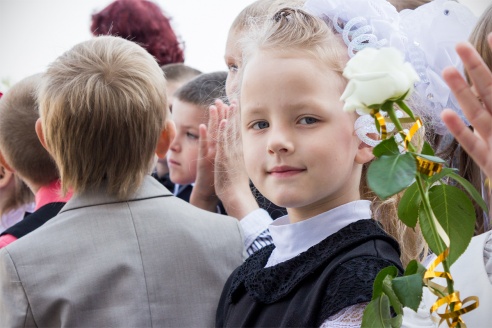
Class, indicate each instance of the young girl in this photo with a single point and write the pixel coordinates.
(301, 151)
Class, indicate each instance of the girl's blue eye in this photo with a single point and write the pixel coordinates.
(191, 136)
(261, 125)
(308, 120)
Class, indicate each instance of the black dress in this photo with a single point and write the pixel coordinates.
(305, 290)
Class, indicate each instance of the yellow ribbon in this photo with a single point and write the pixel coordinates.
(428, 167)
(415, 127)
(382, 124)
(453, 318)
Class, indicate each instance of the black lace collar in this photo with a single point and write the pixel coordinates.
(268, 285)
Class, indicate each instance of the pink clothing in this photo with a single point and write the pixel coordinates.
(6, 239)
(45, 195)
(50, 194)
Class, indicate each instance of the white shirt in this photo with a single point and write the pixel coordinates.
(291, 239)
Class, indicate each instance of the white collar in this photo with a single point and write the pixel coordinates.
(178, 188)
(291, 239)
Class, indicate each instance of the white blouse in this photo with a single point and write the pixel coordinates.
(291, 239)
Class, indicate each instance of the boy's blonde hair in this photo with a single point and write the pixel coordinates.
(103, 105)
(294, 31)
(19, 143)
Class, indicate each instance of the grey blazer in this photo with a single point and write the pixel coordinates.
(151, 261)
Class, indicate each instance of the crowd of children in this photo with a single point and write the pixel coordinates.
(138, 191)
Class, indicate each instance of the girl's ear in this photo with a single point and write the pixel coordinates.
(364, 153)
(5, 176)
(165, 138)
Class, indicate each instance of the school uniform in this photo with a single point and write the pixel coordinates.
(315, 268)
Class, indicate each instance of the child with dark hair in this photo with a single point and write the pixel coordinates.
(190, 111)
(177, 75)
(142, 22)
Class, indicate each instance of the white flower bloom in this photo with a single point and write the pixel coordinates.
(376, 76)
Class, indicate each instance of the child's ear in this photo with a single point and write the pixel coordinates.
(4, 164)
(40, 133)
(165, 138)
(5, 176)
(364, 153)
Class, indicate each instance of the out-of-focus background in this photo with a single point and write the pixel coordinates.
(35, 32)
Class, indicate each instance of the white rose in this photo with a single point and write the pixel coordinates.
(376, 76)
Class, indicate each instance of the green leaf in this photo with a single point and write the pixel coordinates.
(414, 267)
(393, 298)
(427, 149)
(456, 214)
(386, 147)
(408, 289)
(431, 158)
(387, 106)
(377, 314)
(377, 290)
(408, 208)
(404, 106)
(389, 175)
(470, 189)
(438, 176)
(430, 233)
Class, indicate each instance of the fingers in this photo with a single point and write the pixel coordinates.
(479, 73)
(202, 141)
(471, 143)
(213, 122)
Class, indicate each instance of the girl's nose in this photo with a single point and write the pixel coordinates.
(280, 142)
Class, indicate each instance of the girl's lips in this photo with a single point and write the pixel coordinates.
(285, 171)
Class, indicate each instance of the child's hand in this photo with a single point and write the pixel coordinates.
(479, 144)
(231, 179)
(204, 195)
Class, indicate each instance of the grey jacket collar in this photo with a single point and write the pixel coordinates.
(150, 188)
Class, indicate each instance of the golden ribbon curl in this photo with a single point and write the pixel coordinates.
(428, 167)
(452, 318)
(423, 165)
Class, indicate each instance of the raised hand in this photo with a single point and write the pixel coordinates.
(476, 103)
(231, 179)
(204, 195)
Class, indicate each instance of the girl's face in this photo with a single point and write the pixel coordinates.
(300, 148)
(232, 58)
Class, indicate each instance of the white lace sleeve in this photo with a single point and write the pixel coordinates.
(349, 317)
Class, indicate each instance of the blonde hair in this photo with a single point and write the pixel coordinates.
(295, 31)
(259, 11)
(408, 4)
(103, 105)
(18, 139)
(478, 37)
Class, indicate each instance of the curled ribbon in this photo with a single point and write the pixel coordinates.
(415, 127)
(452, 317)
(428, 167)
(382, 124)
